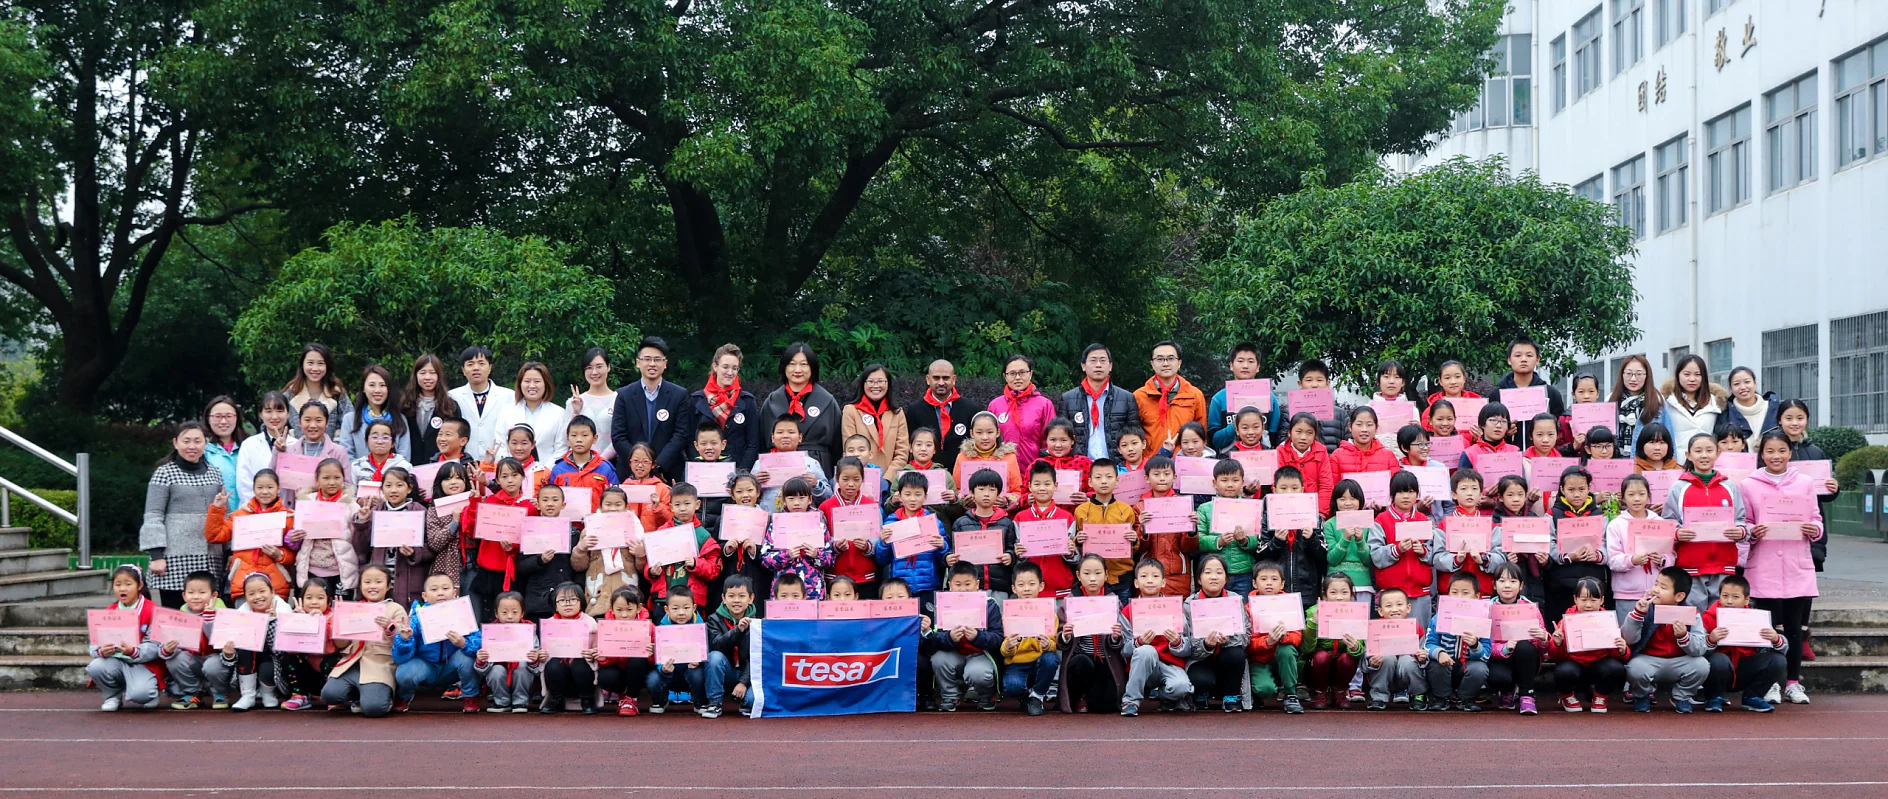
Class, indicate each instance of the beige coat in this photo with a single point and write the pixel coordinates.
(891, 439)
(374, 657)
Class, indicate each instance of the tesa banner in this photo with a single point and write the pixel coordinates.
(832, 667)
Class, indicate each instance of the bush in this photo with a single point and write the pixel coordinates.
(118, 484)
(1852, 469)
(1837, 441)
(49, 531)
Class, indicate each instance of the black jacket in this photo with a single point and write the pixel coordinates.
(674, 426)
(1303, 561)
(1119, 408)
(1518, 429)
(923, 414)
(1731, 416)
(742, 431)
(538, 581)
(820, 433)
(996, 576)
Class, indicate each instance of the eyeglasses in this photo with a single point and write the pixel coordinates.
(568, 600)
(877, 381)
(1422, 444)
(1023, 373)
(651, 359)
(1166, 359)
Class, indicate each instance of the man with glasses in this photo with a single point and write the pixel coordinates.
(652, 411)
(1167, 401)
(1099, 408)
(941, 409)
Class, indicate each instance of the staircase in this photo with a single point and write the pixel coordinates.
(42, 614)
(1850, 639)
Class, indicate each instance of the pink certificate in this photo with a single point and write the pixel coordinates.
(968, 468)
(1575, 533)
(541, 534)
(296, 472)
(670, 546)
(564, 638)
(1496, 465)
(845, 610)
(1029, 617)
(747, 525)
(1392, 415)
(1421, 531)
(806, 529)
(448, 505)
(423, 477)
(113, 626)
(1450, 610)
(1243, 394)
(1746, 626)
(1376, 486)
(1194, 475)
(1259, 465)
(1661, 481)
(1736, 465)
(257, 530)
(1481, 627)
(625, 638)
(1224, 615)
(710, 479)
(1588, 415)
(1339, 619)
(1468, 411)
(1543, 474)
(174, 625)
(1444, 451)
(1527, 535)
(1043, 539)
(873, 484)
(1652, 536)
(1524, 403)
(780, 467)
(301, 632)
(1167, 515)
(1092, 615)
(1291, 511)
(1462, 534)
(857, 522)
(367, 489)
(1132, 486)
(681, 643)
(246, 630)
(962, 609)
(323, 520)
(1067, 482)
(354, 621)
(893, 608)
(1236, 513)
(792, 609)
(640, 494)
(1608, 473)
(1268, 611)
(1318, 402)
(1108, 540)
(394, 529)
(1390, 637)
(1353, 520)
(1672, 614)
(982, 547)
(936, 482)
(1588, 632)
(507, 643)
(1432, 481)
(912, 536)
(1788, 509)
(501, 523)
(1819, 472)
(1515, 622)
(1708, 523)
(612, 530)
(578, 503)
(1160, 614)
(454, 616)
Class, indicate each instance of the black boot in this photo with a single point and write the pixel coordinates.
(589, 703)
(552, 704)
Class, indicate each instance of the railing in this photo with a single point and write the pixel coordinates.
(80, 517)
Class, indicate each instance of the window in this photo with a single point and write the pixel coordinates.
(1789, 365)
(1586, 54)
(1560, 72)
(1727, 160)
(1629, 195)
(1672, 356)
(1858, 372)
(1671, 20)
(1862, 105)
(1507, 96)
(1714, 6)
(1598, 370)
(1593, 189)
(1672, 160)
(1719, 354)
(1790, 135)
(1628, 33)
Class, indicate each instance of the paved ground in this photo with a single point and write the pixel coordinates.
(1856, 569)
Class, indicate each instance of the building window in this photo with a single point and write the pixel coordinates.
(1629, 195)
(1790, 133)
(1714, 6)
(1727, 160)
(1671, 20)
(1673, 161)
(1507, 93)
(1862, 104)
(1673, 355)
(1586, 53)
(1789, 365)
(1593, 189)
(1559, 77)
(1598, 370)
(1719, 355)
(1628, 33)
(1858, 372)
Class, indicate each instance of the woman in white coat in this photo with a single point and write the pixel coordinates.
(534, 408)
(1692, 403)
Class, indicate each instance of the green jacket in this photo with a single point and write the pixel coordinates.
(1312, 644)
(1240, 557)
(1352, 557)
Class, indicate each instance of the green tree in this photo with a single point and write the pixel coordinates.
(386, 293)
(1449, 262)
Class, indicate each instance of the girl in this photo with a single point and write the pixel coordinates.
(128, 674)
(808, 562)
(1511, 500)
(379, 401)
(534, 409)
(1514, 664)
(1452, 382)
(1303, 451)
(609, 570)
(176, 509)
(1192, 441)
(882, 424)
(450, 552)
(1392, 382)
(564, 677)
(222, 423)
(364, 674)
(801, 398)
(1730, 437)
(1058, 449)
(314, 380)
(1492, 423)
(598, 400)
(405, 566)
(1755, 414)
(1362, 453)
(1155, 658)
(218, 528)
(1249, 432)
(1638, 406)
(986, 444)
(1402, 564)
(1793, 420)
(1574, 500)
(736, 558)
(1702, 486)
(1692, 402)
(1216, 662)
(258, 452)
(1781, 569)
(1596, 672)
(512, 683)
(855, 560)
(843, 589)
(1348, 550)
(1133, 446)
(298, 675)
(623, 676)
(1654, 450)
(334, 561)
(522, 444)
(1543, 443)
(379, 455)
(494, 566)
(1413, 440)
(540, 575)
(654, 514)
(314, 442)
(1586, 388)
(425, 406)
(1094, 667)
(723, 401)
(255, 671)
(1331, 664)
(1633, 575)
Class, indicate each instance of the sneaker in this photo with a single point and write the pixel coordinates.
(1435, 705)
(1642, 704)
(1354, 695)
(499, 707)
(452, 693)
(1756, 705)
(709, 711)
(1682, 705)
(1185, 705)
(1526, 703)
(1468, 707)
(1032, 705)
(1714, 705)
(296, 702)
(354, 708)
(942, 707)
(987, 704)
(1506, 701)
(1320, 700)
(1401, 698)
(1377, 704)
(1774, 695)
(551, 704)
(626, 707)
(657, 706)
(1230, 704)
(1417, 704)
(1292, 705)
(1130, 708)
(401, 705)
(1571, 703)
(219, 702)
(1795, 694)
(112, 704)
(1258, 703)
(187, 703)
(341, 708)
(1599, 703)
(469, 704)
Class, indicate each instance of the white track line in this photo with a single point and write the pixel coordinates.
(932, 787)
(906, 741)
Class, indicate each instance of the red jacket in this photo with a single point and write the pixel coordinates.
(706, 567)
(1708, 620)
(1476, 447)
(1350, 458)
(1559, 651)
(1484, 582)
(491, 554)
(859, 564)
(1431, 403)
(1057, 578)
(1077, 462)
(1410, 572)
(1320, 474)
(1706, 557)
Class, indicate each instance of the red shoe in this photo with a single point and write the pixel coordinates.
(1808, 654)
(400, 705)
(626, 707)
(1571, 703)
(1599, 703)
(1340, 699)
(471, 705)
(1320, 700)
(1353, 695)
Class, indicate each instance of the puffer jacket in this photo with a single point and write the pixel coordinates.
(1683, 423)
(1350, 458)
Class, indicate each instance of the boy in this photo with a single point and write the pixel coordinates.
(580, 467)
(1298, 554)
(788, 587)
(1395, 673)
(1493, 423)
(422, 665)
(451, 439)
(1664, 653)
(1057, 577)
(985, 487)
(1523, 356)
(692, 576)
(1173, 550)
(1467, 486)
(480, 401)
(710, 447)
(919, 571)
(1103, 508)
(667, 680)
(1748, 668)
(727, 645)
(1153, 658)
(1272, 655)
(1244, 365)
(1332, 432)
(1030, 663)
(1458, 663)
(192, 675)
(1237, 547)
(963, 663)
(786, 438)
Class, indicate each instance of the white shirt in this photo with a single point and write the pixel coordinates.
(253, 455)
(601, 411)
(547, 422)
(479, 446)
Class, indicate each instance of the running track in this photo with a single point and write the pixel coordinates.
(54, 744)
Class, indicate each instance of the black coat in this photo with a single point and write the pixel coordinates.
(1120, 409)
(923, 414)
(674, 426)
(821, 435)
(742, 431)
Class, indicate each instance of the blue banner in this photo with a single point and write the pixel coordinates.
(834, 668)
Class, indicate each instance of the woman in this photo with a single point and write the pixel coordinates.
(379, 401)
(1691, 401)
(258, 451)
(1636, 402)
(1452, 382)
(175, 506)
(225, 425)
(874, 416)
(801, 397)
(1754, 414)
(426, 406)
(1022, 412)
(534, 409)
(598, 400)
(315, 381)
(734, 408)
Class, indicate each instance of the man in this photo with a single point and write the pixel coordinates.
(480, 401)
(652, 411)
(941, 409)
(1523, 357)
(1244, 365)
(1167, 401)
(1099, 408)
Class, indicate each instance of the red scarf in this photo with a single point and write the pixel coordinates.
(721, 400)
(943, 407)
(876, 413)
(796, 403)
(1166, 394)
(1094, 401)
(1016, 397)
(380, 466)
(1240, 446)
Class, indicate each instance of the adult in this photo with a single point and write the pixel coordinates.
(1692, 402)
(1022, 412)
(533, 408)
(176, 503)
(479, 402)
(315, 381)
(943, 410)
(1451, 384)
(1221, 430)
(1167, 401)
(1099, 408)
(378, 401)
(1637, 404)
(1754, 414)
(873, 416)
(652, 411)
(426, 405)
(801, 397)
(734, 409)
(224, 424)
(258, 451)
(1523, 357)
(597, 402)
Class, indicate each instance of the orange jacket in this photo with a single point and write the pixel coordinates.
(218, 529)
(1184, 404)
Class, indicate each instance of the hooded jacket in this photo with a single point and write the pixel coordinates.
(1780, 567)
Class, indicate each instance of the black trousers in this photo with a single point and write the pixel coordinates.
(1090, 678)
(1220, 674)
(1792, 616)
(1603, 676)
(1754, 674)
(1516, 671)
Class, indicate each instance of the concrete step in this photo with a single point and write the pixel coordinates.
(23, 672)
(15, 537)
(67, 611)
(68, 641)
(1850, 642)
(46, 584)
(1848, 613)
(1846, 674)
(24, 561)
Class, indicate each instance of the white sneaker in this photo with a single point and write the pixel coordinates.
(111, 704)
(1774, 695)
(1795, 694)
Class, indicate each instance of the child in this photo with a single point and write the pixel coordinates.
(1299, 555)
(451, 550)
(1316, 374)
(1467, 486)
(727, 647)
(334, 561)
(1272, 655)
(710, 447)
(919, 570)
(511, 684)
(1133, 446)
(624, 676)
(196, 678)
(1586, 388)
(810, 563)
(129, 674)
(1057, 577)
(1653, 452)
(1362, 453)
(1246, 433)
(1154, 659)
(1664, 653)
(522, 444)
(407, 565)
(218, 528)
(1094, 667)
(669, 678)
(786, 438)
(986, 444)
(1348, 550)
(1780, 566)
(1523, 356)
(612, 568)
(299, 675)
(1413, 441)
(1595, 672)
(1441, 416)
(1238, 549)
(1730, 437)
(1458, 662)
(494, 566)
(1030, 663)
(316, 439)
(451, 440)
(1303, 452)
(1333, 663)
(1102, 508)
(581, 467)
(380, 455)
(1058, 450)
(654, 514)
(1392, 674)
(859, 448)
(1171, 550)
(1566, 569)
(985, 487)
(1632, 573)
(1702, 486)
(1745, 667)
(364, 674)
(1216, 661)
(1223, 422)
(255, 671)
(1402, 564)
(564, 677)
(1512, 500)
(744, 559)
(1599, 445)
(692, 576)
(923, 458)
(423, 665)
(856, 559)
(1190, 442)
(962, 664)
(1452, 381)
(1515, 664)
(1493, 424)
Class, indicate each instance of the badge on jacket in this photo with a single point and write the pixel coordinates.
(435, 422)
(1079, 418)
(1003, 418)
(813, 412)
(662, 414)
(959, 429)
(866, 419)
(740, 418)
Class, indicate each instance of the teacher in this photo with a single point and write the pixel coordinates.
(176, 503)
(724, 402)
(652, 411)
(800, 397)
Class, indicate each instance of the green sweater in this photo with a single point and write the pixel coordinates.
(1312, 644)
(1240, 556)
(1347, 555)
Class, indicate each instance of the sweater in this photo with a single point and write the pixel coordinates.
(176, 507)
(1350, 555)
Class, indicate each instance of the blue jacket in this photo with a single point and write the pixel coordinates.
(1437, 641)
(1219, 427)
(225, 462)
(989, 639)
(405, 649)
(921, 571)
(1736, 420)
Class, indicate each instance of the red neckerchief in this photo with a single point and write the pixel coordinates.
(320, 497)
(1094, 400)
(1016, 397)
(796, 402)
(1038, 514)
(379, 466)
(922, 467)
(943, 407)
(1166, 395)
(869, 411)
(1135, 467)
(721, 400)
(527, 462)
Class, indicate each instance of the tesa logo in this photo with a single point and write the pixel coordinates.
(843, 670)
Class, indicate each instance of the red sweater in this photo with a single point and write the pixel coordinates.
(1409, 573)
(1706, 557)
(1057, 579)
(859, 564)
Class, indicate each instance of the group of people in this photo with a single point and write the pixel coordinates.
(1415, 524)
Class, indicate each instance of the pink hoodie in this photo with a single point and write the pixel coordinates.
(1779, 568)
(1630, 580)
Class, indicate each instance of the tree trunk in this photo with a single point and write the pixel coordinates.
(91, 353)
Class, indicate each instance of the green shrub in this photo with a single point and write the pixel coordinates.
(1837, 441)
(118, 484)
(1852, 468)
(49, 531)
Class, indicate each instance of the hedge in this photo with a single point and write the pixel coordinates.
(1853, 467)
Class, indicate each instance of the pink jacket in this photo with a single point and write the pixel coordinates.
(1630, 581)
(1779, 568)
(1025, 425)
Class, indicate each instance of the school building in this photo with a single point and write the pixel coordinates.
(1746, 144)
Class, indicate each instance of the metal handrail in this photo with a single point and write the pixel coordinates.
(80, 516)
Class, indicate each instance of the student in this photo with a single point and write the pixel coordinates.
(1299, 555)
(985, 515)
(1348, 550)
(378, 401)
(1638, 404)
(1442, 424)
(1393, 674)
(315, 441)
(258, 451)
(1133, 447)
(511, 684)
(1664, 653)
(364, 673)
(727, 647)
(1781, 567)
(450, 442)
(1793, 420)
(198, 678)
(1030, 663)
(1330, 432)
(1701, 486)
(1654, 450)
(581, 467)
(1154, 658)
(1452, 383)
(379, 455)
(535, 408)
(522, 444)
(1586, 389)
(255, 671)
(494, 566)
(298, 675)
(732, 409)
(624, 676)
(407, 566)
(1362, 452)
(1413, 441)
(564, 677)
(1596, 672)
(1514, 664)
(1022, 412)
(1523, 356)
(1730, 438)
(1511, 501)
(692, 576)
(1058, 450)
(1692, 403)
(426, 405)
(1458, 662)
(1749, 413)
(334, 561)
(1216, 661)
(1100, 409)
(919, 571)
(1272, 655)
(654, 514)
(856, 559)
(737, 558)
(1239, 548)
(1167, 401)
(479, 402)
(710, 446)
(423, 665)
(985, 443)
(1493, 424)
(1192, 442)
(1101, 507)
(1566, 569)
(1332, 663)
(443, 538)
(1094, 667)
(129, 674)
(315, 381)
(1173, 551)
(810, 563)
(1467, 485)
(1394, 382)
(1249, 428)
(882, 424)
(1057, 577)
(924, 456)
(1599, 445)
(1302, 451)
(1543, 442)
(1633, 574)
(1402, 564)
(1746, 667)
(219, 527)
(668, 677)
(963, 664)
(1223, 422)
(539, 575)
(786, 438)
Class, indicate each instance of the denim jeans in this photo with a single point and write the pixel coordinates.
(722, 675)
(689, 677)
(415, 674)
(1028, 678)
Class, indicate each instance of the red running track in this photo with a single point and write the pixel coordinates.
(58, 744)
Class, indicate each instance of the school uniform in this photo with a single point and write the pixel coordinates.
(1706, 561)
(481, 412)
(819, 417)
(1099, 416)
(692, 577)
(1533, 571)
(1597, 672)
(1447, 563)
(1661, 656)
(949, 418)
(1750, 669)
(663, 418)
(860, 559)
(1407, 571)
(1161, 661)
(200, 673)
(510, 684)
(1564, 573)
(967, 671)
(690, 677)
(1057, 575)
(740, 426)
